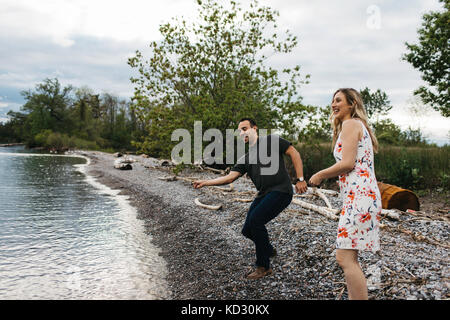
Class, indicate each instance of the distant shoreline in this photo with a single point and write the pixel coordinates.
(11, 144)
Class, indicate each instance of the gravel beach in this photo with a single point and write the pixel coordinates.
(207, 256)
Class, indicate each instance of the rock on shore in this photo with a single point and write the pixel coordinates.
(207, 256)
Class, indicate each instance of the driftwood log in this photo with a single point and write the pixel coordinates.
(191, 179)
(123, 166)
(175, 178)
(327, 212)
(242, 200)
(393, 197)
(322, 196)
(229, 189)
(393, 214)
(124, 163)
(207, 206)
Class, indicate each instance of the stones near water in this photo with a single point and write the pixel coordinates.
(123, 166)
(123, 163)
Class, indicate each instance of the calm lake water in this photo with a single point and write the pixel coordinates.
(65, 236)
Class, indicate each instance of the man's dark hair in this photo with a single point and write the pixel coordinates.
(252, 122)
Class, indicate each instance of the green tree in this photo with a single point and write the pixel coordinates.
(376, 103)
(215, 71)
(47, 108)
(318, 127)
(431, 56)
(413, 137)
(54, 118)
(388, 132)
(14, 128)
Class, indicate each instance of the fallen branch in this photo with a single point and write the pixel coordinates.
(249, 192)
(341, 293)
(322, 196)
(229, 189)
(401, 280)
(323, 191)
(243, 200)
(304, 195)
(174, 178)
(214, 170)
(330, 192)
(206, 206)
(393, 214)
(426, 215)
(327, 212)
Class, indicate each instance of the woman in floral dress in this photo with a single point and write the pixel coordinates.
(354, 147)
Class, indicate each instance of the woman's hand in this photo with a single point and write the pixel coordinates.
(316, 180)
(199, 184)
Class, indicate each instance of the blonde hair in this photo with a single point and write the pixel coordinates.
(354, 99)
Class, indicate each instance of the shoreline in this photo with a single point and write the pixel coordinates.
(208, 258)
(11, 144)
(159, 288)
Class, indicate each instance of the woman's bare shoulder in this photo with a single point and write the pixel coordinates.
(351, 124)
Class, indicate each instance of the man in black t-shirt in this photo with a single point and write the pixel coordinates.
(264, 164)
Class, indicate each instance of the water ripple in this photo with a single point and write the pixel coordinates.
(65, 236)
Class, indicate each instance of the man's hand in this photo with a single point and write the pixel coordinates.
(199, 184)
(301, 187)
(229, 178)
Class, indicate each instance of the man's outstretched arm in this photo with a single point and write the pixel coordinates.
(229, 178)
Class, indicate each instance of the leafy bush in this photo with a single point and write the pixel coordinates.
(55, 141)
(416, 168)
(41, 138)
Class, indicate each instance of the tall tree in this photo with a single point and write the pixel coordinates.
(215, 70)
(47, 107)
(431, 56)
(376, 103)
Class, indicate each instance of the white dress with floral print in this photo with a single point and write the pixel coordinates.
(359, 220)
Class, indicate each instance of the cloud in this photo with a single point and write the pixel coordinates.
(10, 99)
(97, 62)
(62, 20)
(355, 43)
(338, 48)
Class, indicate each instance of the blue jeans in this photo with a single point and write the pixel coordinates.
(261, 211)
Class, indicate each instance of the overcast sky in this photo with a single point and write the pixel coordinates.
(346, 43)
